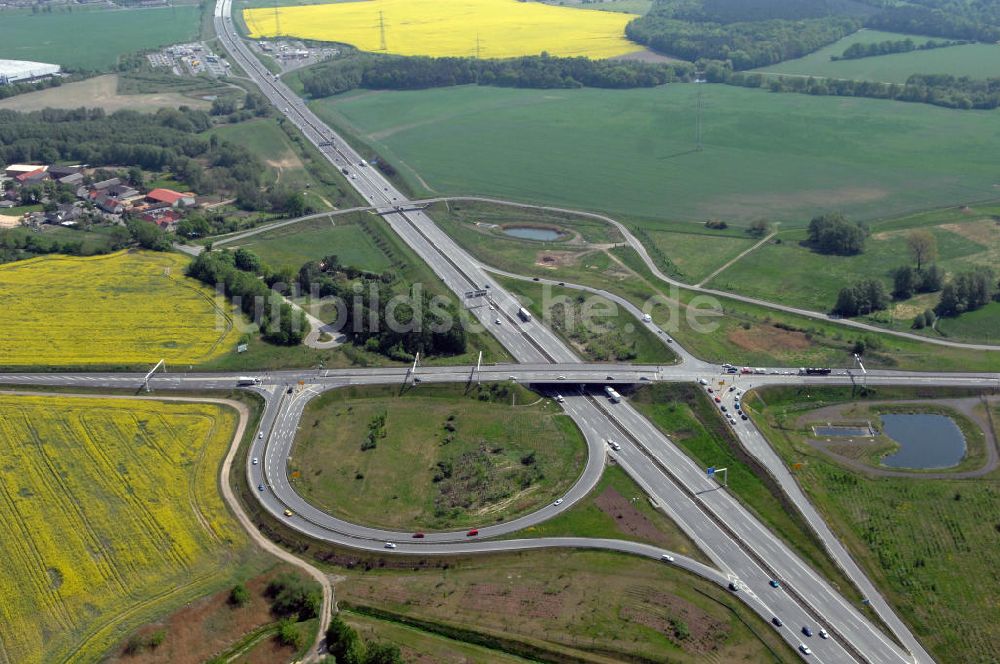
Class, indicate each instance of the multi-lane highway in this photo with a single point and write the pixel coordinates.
(747, 556)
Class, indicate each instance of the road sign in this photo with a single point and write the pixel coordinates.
(711, 470)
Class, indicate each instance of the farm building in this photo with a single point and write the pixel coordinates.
(16, 71)
(170, 197)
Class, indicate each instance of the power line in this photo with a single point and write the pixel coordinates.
(277, 20)
(697, 123)
(381, 31)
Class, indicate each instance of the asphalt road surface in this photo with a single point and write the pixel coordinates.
(746, 554)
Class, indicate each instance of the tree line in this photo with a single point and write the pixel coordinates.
(957, 92)
(382, 72)
(858, 50)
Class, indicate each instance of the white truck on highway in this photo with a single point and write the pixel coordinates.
(524, 314)
(612, 394)
(248, 380)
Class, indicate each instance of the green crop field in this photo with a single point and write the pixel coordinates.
(632, 152)
(972, 60)
(930, 544)
(95, 39)
(436, 456)
(292, 246)
(111, 515)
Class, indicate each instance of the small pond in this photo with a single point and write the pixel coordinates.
(926, 441)
(533, 233)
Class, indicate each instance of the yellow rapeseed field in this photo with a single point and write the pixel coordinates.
(109, 512)
(497, 28)
(123, 308)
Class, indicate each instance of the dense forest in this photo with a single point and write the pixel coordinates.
(378, 319)
(414, 73)
(757, 33)
(245, 279)
(169, 139)
(745, 33)
(959, 19)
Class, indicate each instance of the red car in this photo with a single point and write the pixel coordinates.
(472, 533)
(418, 535)
(718, 400)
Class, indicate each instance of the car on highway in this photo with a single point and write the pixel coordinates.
(711, 391)
(609, 377)
(260, 487)
(289, 512)
(560, 398)
(256, 461)
(723, 408)
(805, 649)
(702, 381)
(744, 416)
(777, 621)
(390, 545)
(512, 378)
(561, 377)
(807, 631)
(613, 445)
(559, 501)
(823, 634)
(535, 279)
(733, 587)
(718, 400)
(732, 388)
(732, 420)
(774, 583)
(472, 533)
(497, 321)
(667, 558)
(260, 434)
(418, 535)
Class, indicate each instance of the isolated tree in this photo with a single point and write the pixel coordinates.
(949, 304)
(247, 260)
(383, 653)
(904, 282)
(923, 247)
(344, 643)
(239, 595)
(758, 227)
(288, 634)
(847, 302)
(931, 279)
(833, 234)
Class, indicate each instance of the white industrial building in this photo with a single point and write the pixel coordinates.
(15, 71)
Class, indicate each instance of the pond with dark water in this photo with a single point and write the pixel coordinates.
(926, 441)
(533, 233)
